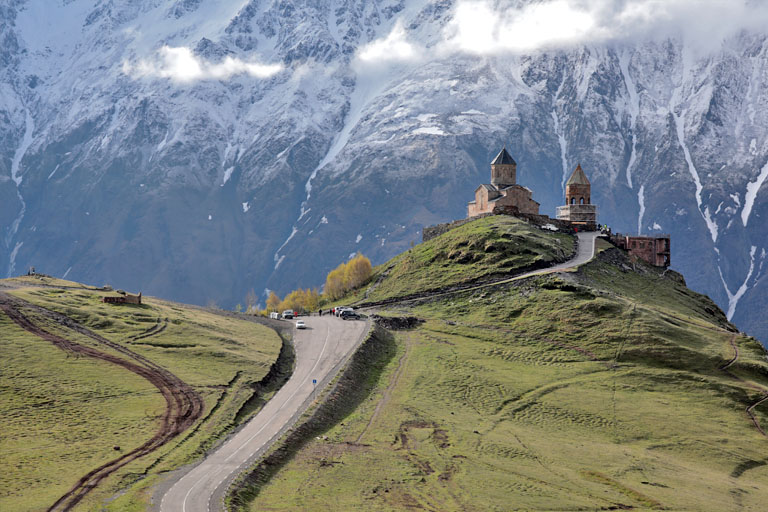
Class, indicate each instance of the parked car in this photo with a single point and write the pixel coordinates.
(274, 315)
(300, 324)
(341, 309)
(288, 314)
(349, 314)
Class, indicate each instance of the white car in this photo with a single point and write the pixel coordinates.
(300, 324)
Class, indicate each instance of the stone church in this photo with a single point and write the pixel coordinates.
(503, 194)
(578, 207)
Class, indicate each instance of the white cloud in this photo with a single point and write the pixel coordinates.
(478, 28)
(181, 65)
(481, 27)
(393, 48)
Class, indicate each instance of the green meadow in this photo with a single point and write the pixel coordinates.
(64, 415)
(600, 389)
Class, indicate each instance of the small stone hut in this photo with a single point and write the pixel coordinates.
(126, 298)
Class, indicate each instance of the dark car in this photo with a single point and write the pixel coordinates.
(348, 314)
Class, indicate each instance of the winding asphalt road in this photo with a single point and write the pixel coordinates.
(321, 351)
(586, 251)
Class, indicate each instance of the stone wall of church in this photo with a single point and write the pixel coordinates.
(520, 198)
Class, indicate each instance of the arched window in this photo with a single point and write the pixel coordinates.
(573, 200)
(581, 201)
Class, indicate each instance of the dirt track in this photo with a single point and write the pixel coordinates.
(183, 405)
(750, 408)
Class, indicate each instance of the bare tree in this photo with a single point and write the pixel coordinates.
(250, 301)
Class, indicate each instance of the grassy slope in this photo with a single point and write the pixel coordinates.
(489, 247)
(591, 390)
(62, 416)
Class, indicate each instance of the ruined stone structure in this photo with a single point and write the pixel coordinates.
(578, 207)
(503, 194)
(651, 249)
(125, 298)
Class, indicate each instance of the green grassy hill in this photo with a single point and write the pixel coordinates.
(63, 413)
(613, 387)
(474, 252)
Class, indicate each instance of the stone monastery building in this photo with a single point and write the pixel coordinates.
(503, 194)
(578, 207)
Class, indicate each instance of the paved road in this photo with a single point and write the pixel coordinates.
(585, 253)
(321, 350)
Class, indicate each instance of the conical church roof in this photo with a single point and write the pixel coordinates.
(503, 158)
(578, 177)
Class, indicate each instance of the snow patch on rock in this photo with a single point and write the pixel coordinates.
(227, 175)
(429, 130)
(641, 202)
(751, 193)
(12, 261)
(733, 298)
(634, 111)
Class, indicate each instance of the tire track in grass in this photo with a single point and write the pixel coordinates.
(750, 409)
(388, 392)
(160, 326)
(183, 404)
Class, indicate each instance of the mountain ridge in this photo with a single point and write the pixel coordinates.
(130, 141)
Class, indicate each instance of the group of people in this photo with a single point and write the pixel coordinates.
(331, 311)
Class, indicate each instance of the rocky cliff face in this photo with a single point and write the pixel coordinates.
(197, 149)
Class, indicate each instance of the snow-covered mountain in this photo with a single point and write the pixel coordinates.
(196, 149)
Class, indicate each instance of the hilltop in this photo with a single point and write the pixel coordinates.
(114, 395)
(611, 386)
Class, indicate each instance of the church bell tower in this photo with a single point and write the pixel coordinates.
(503, 170)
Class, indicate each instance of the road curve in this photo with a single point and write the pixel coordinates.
(321, 350)
(585, 252)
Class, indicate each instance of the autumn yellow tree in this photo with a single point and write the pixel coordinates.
(347, 276)
(311, 299)
(273, 302)
(357, 271)
(334, 283)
